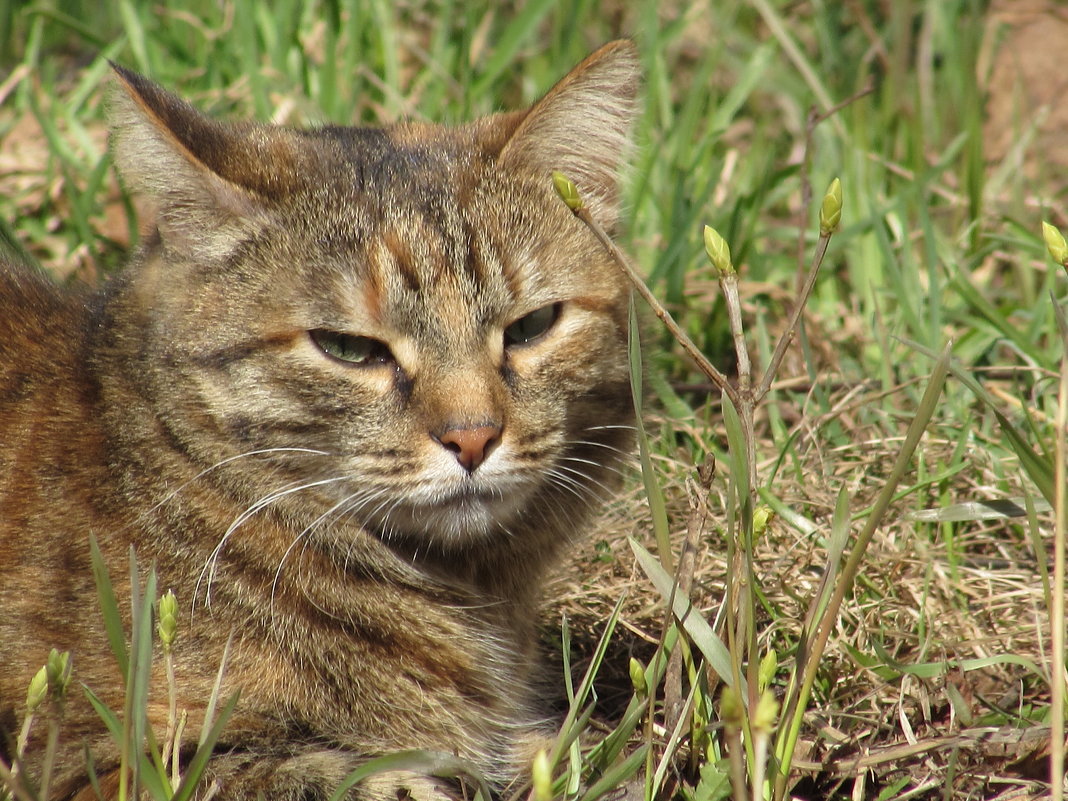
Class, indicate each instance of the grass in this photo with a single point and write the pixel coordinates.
(903, 625)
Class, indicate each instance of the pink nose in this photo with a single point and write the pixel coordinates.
(470, 444)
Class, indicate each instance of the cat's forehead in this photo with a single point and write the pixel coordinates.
(401, 160)
(421, 206)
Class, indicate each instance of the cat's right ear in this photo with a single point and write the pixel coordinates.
(211, 183)
(582, 128)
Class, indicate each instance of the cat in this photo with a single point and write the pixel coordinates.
(354, 393)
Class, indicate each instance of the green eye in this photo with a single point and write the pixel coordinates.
(531, 326)
(351, 349)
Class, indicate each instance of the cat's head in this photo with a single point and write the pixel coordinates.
(419, 333)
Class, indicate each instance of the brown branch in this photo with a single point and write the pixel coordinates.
(791, 329)
(674, 698)
(703, 364)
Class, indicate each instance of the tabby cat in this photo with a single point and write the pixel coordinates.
(353, 394)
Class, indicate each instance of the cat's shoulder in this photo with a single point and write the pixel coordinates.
(38, 318)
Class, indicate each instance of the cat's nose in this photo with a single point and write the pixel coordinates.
(470, 444)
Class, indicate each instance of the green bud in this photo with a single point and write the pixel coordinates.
(168, 618)
(718, 251)
(730, 709)
(567, 191)
(637, 677)
(541, 777)
(1055, 244)
(58, 672)
(768, 666)
(38, 689)
(831, 209)
(762, 516)
(766, 712)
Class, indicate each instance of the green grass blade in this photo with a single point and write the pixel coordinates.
(586, 685)
(213, 699)
(137, 679)
(1038, 468)
(707, 641)
(109, 607)
(428, 763)
(736, 452)
(617, 776)
(609, 749)
(110, 720)
(135, 32)
(789, 731)
(197, 765)
(657, 507)
(506, 47)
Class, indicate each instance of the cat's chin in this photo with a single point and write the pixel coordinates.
(454, 521)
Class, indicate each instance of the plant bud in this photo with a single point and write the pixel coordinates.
(766, 712)
(768, 667)
(831, 209)
(762, 516)
(730, 709)
(719, 253)
(38, 689)
(567, 191)
(541, 777)
(1055, 244)
(168, 619)
(58, 672)
(637, 678)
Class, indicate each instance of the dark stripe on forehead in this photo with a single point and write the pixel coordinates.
(403, 261)
(474, 263)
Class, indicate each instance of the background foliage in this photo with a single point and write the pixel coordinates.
(749, 105)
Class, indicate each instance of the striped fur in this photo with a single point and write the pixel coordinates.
(372, 534)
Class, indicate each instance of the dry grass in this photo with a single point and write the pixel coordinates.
(935, 682)
(936, 721)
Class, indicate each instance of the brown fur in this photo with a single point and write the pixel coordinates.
(372, 535)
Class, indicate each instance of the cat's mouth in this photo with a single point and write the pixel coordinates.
(466, 513)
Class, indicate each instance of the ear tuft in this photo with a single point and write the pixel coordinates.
(582, 128)
(206, 177)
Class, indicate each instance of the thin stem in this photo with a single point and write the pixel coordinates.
(1057, 679)
(21, 743)
(791, 329)
(170, 745)
(728, 283)
(9, 779)
(737, 764)
(745, 402)
(703, 364)
(695, 527)
(50, 755)
(179, 732)
(788, 733)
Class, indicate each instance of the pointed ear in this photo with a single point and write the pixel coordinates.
(210, 181)
(582, 128)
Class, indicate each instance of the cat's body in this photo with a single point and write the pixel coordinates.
(353, 394)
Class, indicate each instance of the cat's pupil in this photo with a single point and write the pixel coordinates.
(531, 326)
(350, 348)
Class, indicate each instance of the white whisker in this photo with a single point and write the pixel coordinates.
(207, 574)
(263, 451)
(346, 504)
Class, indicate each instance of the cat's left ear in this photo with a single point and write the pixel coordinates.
(211, 181)
(582, 128)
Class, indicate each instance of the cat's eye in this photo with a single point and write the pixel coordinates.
(531, 326)
(350, 348)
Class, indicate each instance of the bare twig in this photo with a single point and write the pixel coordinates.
(674, 699)
(16, 786)
(791, 328)
(1057, 679)
(703, 364)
